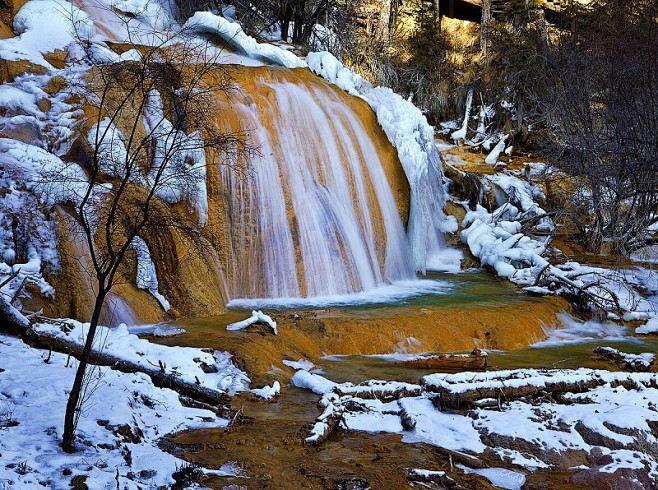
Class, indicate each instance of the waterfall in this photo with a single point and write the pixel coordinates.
(315, 214)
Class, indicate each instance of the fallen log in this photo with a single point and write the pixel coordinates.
(475, 361)
(385, 391)
(46, 340)
(641, 363)
(11, 320)
(465, 185)
(455, 392)
(324, 425)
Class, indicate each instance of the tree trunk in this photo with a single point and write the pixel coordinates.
(299, 17)
(286, 17)
(73, 403)
(484, 26)
(437, 16)
(384, 26)
(520, 113)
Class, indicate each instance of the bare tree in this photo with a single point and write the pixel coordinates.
(149, 139)
(603, 118)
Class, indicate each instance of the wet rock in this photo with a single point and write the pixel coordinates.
(25, 130)
(621, 479)
(439, 478)
(127, 433)
(55, 85)
(10, 69)
(44, 104)
(57, 58)
(79, 482)
(595, 439)
(5, 31)
(352, 484)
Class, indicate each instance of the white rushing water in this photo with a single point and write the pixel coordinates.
(398, 292)
(309, 218)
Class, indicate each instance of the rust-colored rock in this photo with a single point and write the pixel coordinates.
(55, 84)
(5, 31)
(10, 69)
(56, 58)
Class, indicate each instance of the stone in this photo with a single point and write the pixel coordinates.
(10, 69)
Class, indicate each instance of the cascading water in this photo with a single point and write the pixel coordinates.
(332, 205)
(316, 214)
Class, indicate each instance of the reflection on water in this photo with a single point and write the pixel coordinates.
(356, 369)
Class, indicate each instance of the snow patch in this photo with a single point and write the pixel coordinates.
(184, 362)
(146, 275)
(256, 316)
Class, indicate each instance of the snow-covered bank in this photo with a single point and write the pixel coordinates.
(562, 419)
(206, 368)
(123, 420)
(503, 240)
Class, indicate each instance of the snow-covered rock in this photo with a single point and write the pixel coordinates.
(232, 33)
(256, 316)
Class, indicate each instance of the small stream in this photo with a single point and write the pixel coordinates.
(268, 442)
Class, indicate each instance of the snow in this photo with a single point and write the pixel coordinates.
(157, 330)
(301, 364)
(460, 134)
(650, 327)
(185, 363)
(179, 163)
(232, 33)
(462, 382)
(156, 14)
(267, 392)
(499, 244)
(31, 176)
(44, 26)
(615, 413)
(497, 238)
(426, 473)
(374, 422)
(13, 98)
(45, 174)
(146, 277)
(33, 389)
(256, 316)
(499, 477)
(112, 155)
(640, 362)
(314, 382)
(451, 431)
(492, 157)
(446, 260)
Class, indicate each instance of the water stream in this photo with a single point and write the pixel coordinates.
(268, 444)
